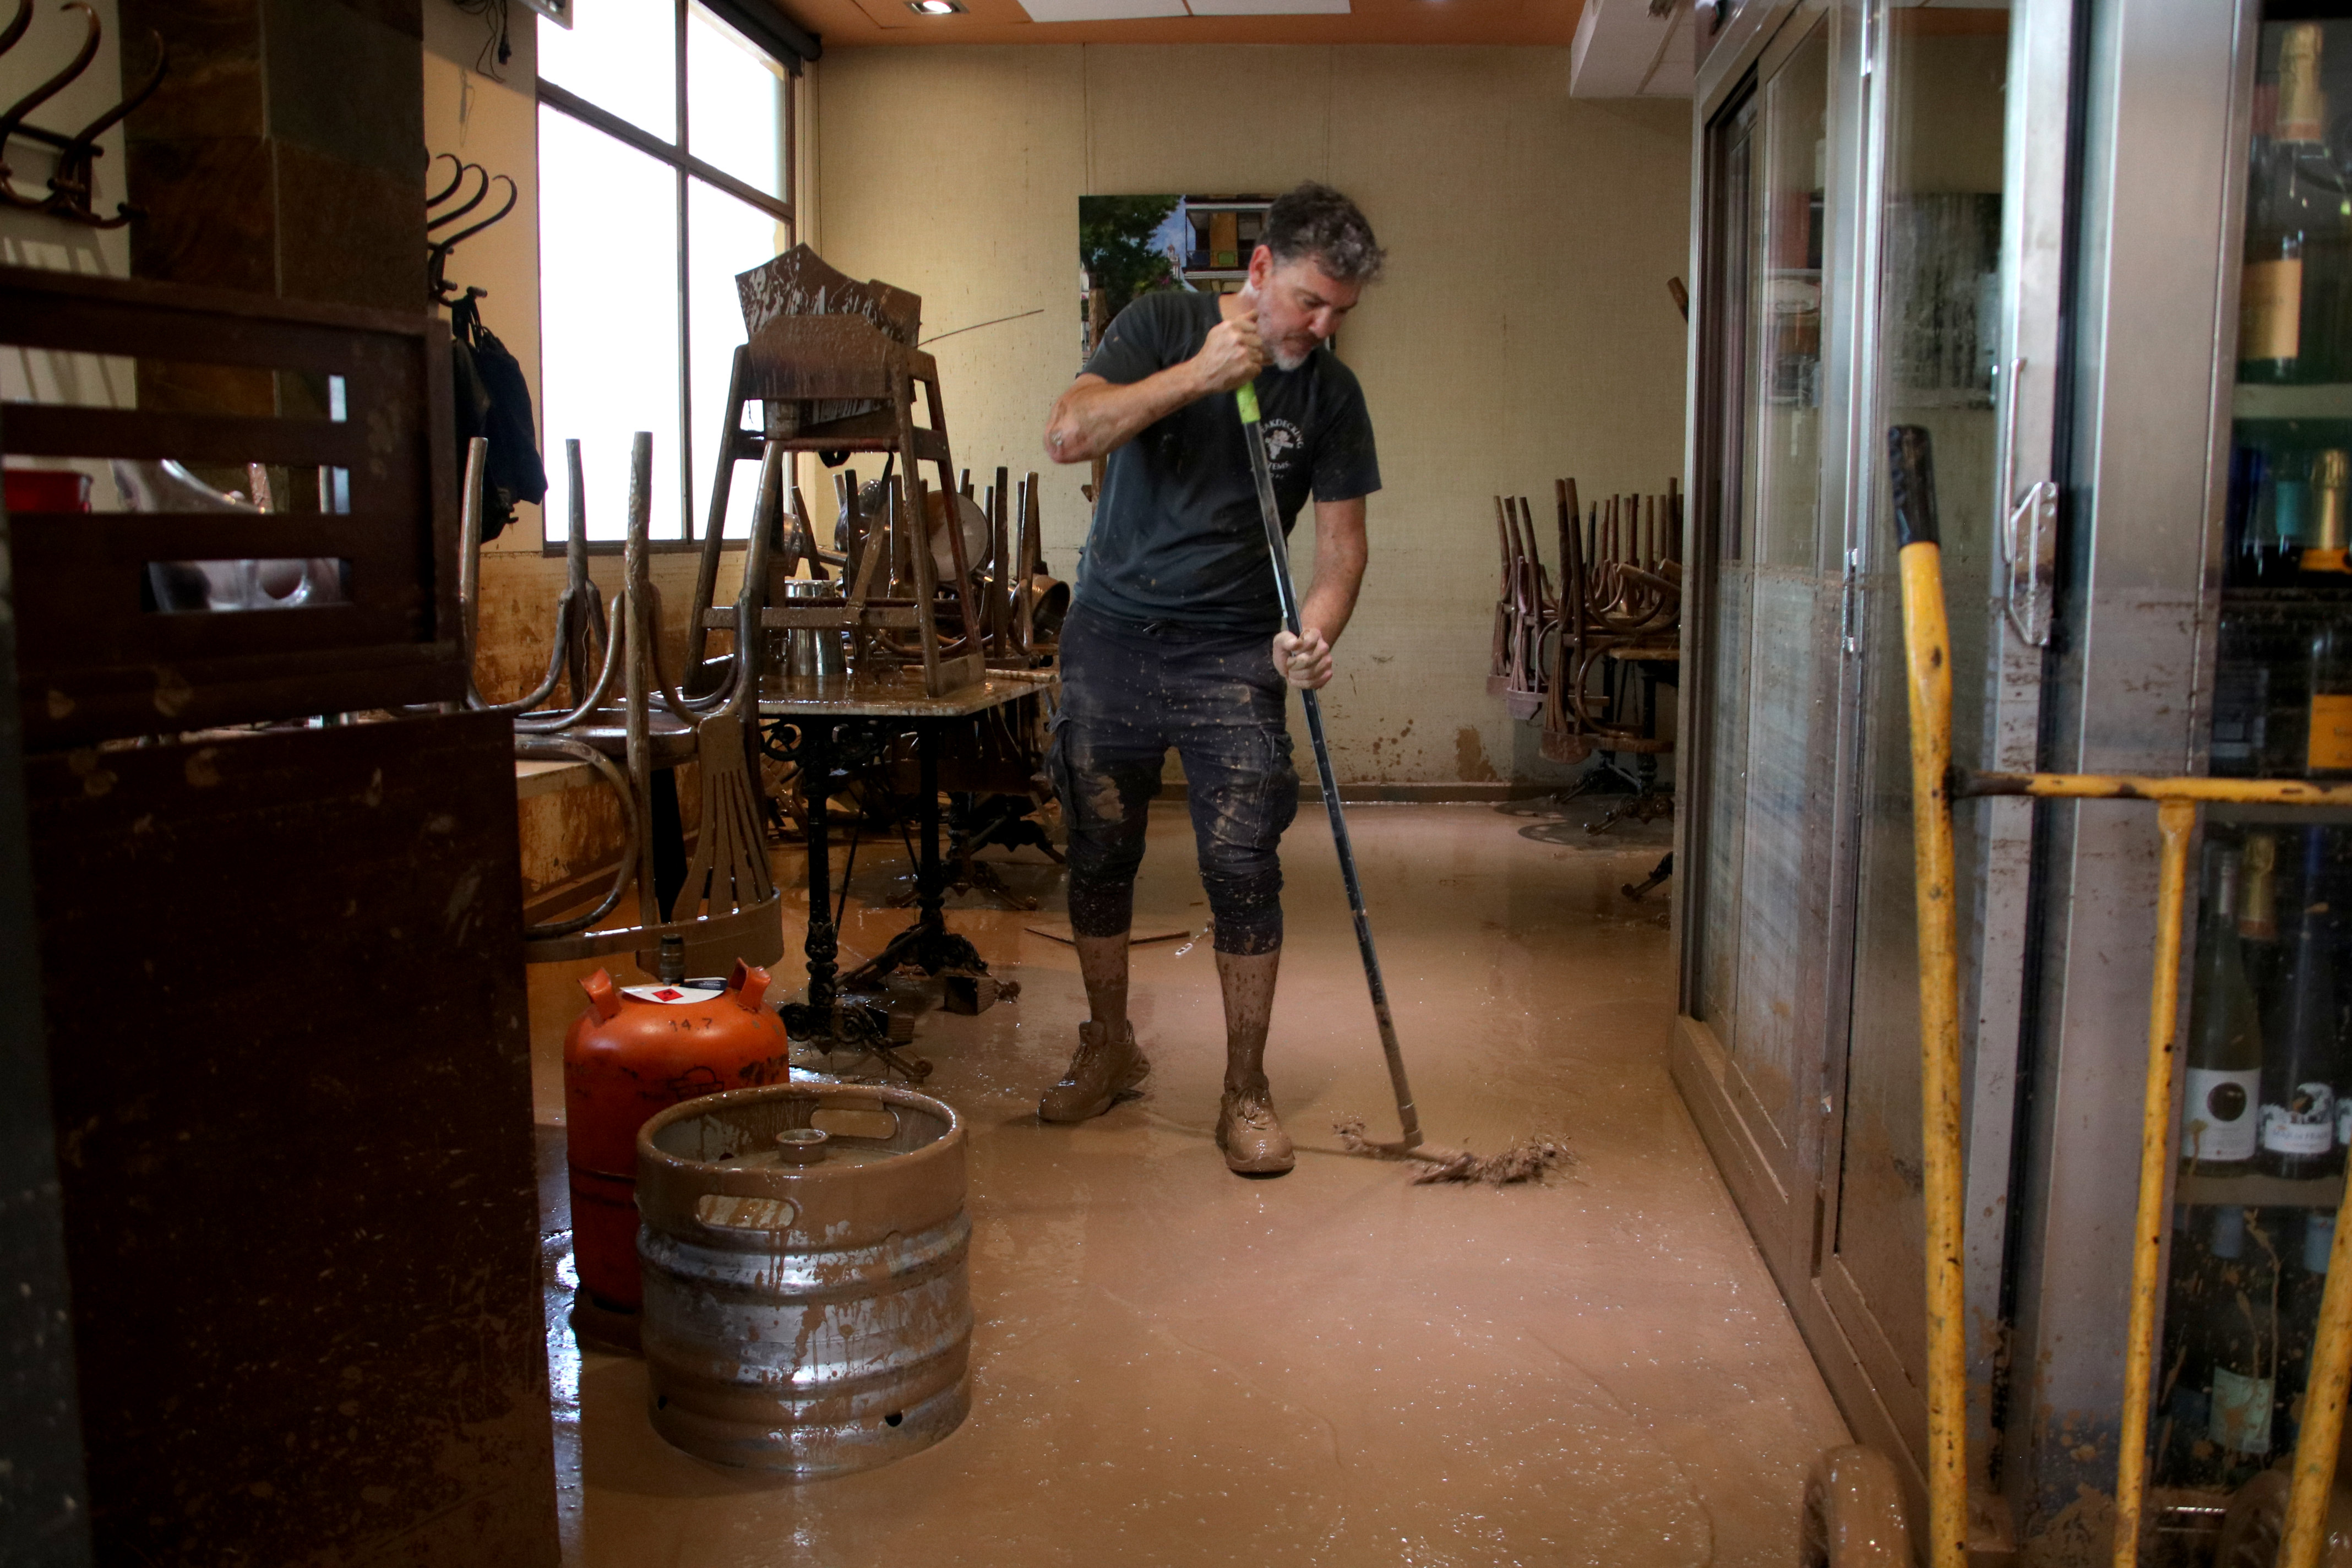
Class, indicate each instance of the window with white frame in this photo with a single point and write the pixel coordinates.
(664, 169)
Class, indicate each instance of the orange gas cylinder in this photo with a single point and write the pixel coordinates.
(639, 1049)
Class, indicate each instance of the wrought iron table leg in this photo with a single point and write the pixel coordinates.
(931, 885)
(822, 1018)
(824, 944)
(927, 945)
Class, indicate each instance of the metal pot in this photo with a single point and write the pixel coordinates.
(807, 1300)
(814, 659)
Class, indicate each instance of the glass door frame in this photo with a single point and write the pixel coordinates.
(2157, 221)
(1773, 1179)
(1792, 1211)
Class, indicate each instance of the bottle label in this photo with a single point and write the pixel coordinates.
(2344, 1122)
(2331, 732)
(2217, 1120)
(2241, 1412)
(2270, 309)
(2305, 1125)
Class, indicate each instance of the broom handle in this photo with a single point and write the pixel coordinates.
(1278, 547)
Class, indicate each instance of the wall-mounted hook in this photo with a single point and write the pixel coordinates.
(438, 219)
(445, 192)
(14, 116)
(72, 183)
(16, 26)
(436, 256)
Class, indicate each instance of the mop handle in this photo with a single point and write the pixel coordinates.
(1278, 548)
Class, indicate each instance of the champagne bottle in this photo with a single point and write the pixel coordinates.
(2324, 562)
(2302, 1054)
(2258, 934)
(2295, 231)
(2225, 1037)
(2327, 740)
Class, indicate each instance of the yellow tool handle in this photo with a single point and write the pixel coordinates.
(2176, 819)
(2323, 1404)
(1926, 645)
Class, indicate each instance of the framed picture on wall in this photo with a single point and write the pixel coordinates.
(1130, 246)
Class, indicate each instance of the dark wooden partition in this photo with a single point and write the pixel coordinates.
(282, 1006)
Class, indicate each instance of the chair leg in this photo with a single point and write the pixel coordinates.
(669, 840)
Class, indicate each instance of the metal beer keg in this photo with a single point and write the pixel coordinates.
(807, 1300)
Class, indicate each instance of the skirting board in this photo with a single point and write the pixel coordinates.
(1373, 793)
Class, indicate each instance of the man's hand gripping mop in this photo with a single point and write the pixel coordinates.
(1522, 1161)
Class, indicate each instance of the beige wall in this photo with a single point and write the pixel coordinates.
(1524, 332)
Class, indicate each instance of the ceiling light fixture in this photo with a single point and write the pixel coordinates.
(935, 8)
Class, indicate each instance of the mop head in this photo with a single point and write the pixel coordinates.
(1527, 1161)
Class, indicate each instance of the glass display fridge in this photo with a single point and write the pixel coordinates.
(2101, 251)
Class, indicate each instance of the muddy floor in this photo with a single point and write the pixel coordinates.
(1175, 1366)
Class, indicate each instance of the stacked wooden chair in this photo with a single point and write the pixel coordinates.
(1526, 613)
(1619, 625)
(723, 904)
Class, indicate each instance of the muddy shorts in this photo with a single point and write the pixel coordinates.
(1130, 691)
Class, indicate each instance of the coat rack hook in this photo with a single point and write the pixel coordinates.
(75, 182)
(468, 205)
(14, 116)
(456, 179)
(72, 184)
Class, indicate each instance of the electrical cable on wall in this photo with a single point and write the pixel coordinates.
(497, 48)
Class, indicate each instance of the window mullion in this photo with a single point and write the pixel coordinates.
(684, 336)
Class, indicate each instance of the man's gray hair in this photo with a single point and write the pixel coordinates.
(1316, 221)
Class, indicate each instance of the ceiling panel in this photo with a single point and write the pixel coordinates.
(1266, 7)
(852, 23)
(1100, 10)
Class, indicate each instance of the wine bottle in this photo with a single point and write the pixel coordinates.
(2302, 1054)
(2240, 1358)
(2225, 1036)
(2295, 243)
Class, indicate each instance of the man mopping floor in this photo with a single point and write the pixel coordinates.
(1175, 637)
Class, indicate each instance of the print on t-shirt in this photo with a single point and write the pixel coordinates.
(1177, 536)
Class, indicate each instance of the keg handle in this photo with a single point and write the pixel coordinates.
(869, 1108)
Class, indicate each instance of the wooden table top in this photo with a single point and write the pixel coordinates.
(902, 697)
(551, 776)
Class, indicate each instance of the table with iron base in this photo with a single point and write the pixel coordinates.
(819, 732)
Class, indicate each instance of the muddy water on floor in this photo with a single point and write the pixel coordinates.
(1172, 1364)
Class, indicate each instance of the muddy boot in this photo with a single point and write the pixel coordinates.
(1253, 1141)
(1100, 1076)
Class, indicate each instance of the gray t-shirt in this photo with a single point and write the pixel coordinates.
(1177, 535)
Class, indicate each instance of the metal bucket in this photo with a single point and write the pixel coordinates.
(806, 1316)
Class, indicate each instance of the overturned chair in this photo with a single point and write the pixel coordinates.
(725, 905)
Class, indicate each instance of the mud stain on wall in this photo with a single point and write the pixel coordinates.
(1470, 763)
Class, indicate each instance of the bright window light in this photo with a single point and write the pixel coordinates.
(622, 59)
(609, 344)
(725, 236)
(616, 356)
